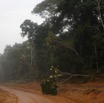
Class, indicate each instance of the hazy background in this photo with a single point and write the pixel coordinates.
(12, 14)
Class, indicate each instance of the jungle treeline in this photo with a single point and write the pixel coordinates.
(71, 38)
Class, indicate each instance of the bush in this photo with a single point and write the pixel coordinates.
(48, 87)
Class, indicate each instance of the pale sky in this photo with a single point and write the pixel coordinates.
(12, 15)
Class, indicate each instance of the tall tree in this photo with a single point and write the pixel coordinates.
(15, 62)
(71, 37)
(83, 22)
(37, 35)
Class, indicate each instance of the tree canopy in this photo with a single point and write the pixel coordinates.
(71, 38)
(79, 25)
(74, 27)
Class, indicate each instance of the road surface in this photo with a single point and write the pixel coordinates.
(26, 97)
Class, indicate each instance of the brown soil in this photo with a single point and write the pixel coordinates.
(92, 92)
(27, 97)
(6, 97)
(34, 87)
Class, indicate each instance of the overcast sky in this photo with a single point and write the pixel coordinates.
(12, 15)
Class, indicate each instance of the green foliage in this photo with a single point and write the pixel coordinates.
(48, 87)
(71, 38)
(16, 62)
(46, 8)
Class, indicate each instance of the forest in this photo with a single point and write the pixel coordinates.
(71, 39)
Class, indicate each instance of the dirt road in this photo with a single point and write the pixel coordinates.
(25, 97)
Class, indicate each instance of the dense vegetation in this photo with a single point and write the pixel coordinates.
(71, 38)
(16, 62)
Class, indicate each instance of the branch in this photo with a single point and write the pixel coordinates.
(72, 75)
(66, 45)
(66, 80)
(99, 8)
(83, 75)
